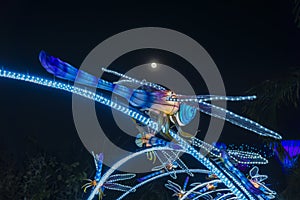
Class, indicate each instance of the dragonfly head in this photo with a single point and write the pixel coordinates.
(211, 186)
(94, 183)
(185, 114)
(160, 101)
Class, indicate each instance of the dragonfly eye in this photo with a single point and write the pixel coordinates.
(170, 95)
(185, 114)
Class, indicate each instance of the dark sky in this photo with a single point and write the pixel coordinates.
(249, 41)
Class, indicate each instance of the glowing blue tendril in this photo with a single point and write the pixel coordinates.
(81, 92)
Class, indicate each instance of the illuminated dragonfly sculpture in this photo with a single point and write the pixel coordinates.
(155, 99)
(111, 182)
(169, 163)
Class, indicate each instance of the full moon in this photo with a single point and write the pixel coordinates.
(153, 65)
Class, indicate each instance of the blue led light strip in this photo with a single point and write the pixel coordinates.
(81, 92)
(133, 80)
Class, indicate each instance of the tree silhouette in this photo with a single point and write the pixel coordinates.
(272, 95)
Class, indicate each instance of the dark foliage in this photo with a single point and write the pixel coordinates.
(296, 12)
(272, 94)
(42, 177)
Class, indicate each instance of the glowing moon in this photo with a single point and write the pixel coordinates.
(153, 65)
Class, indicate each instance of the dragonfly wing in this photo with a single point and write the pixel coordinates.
(235, 119)
(181, 164)
(253, 172)
(117, 186)
(173, 186)
(164, 160)
(244, 157)
(157, 168)
(163, 157)
(170, 160)
(120, 177)
(259, 178)
(127, 83)
(171, 157)
(160, 156)
(201, 98)
(267, 190)
(133, 80)
(173, 174)
(206, 147)
(195, 184)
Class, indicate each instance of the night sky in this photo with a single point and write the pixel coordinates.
(250, 42)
